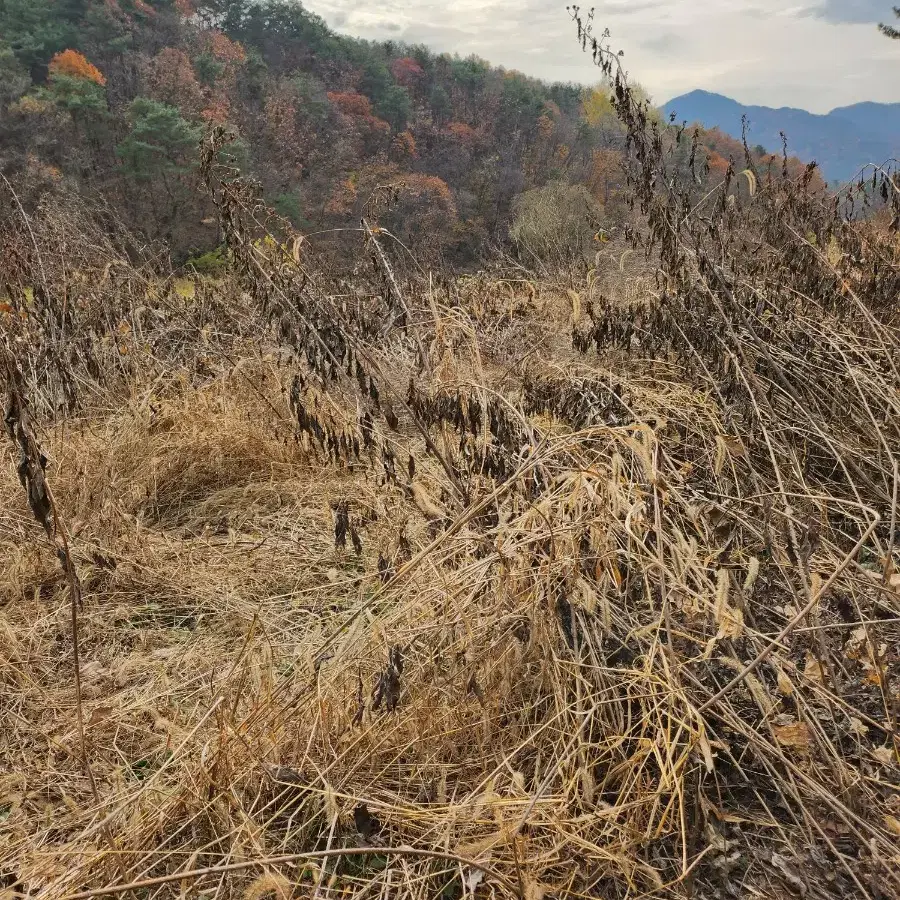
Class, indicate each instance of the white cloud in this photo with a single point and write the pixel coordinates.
(817, 55)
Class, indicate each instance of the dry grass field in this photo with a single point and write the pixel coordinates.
(404, 586)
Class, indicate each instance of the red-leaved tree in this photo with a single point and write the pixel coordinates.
(407, 71)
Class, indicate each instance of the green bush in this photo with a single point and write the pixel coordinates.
(213, 262)
(288, 205)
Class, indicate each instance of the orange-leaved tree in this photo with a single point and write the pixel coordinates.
(403, 147)
(423, 212)
(350, 103)
(73, 64)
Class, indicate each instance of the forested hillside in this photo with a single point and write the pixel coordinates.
(111, 97)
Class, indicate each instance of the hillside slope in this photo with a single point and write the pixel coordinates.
(113, 97)
(110, 99)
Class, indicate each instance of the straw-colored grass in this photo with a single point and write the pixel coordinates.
(382, 590)
(526, 708)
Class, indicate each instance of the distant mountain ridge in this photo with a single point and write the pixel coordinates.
(841, 141)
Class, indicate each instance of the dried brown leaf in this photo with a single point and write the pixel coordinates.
(795, 736)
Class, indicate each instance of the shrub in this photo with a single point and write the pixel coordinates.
(556, 223)
(213, 262)
(289, 206)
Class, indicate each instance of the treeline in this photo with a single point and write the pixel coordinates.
(111, 97)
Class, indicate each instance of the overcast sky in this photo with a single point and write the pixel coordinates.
(815, 54)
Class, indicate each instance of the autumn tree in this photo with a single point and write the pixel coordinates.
(423, 212)
(717, 141)
(171, 79)
(351, 103)
(403, 147)
(219, 62)
(462, 133)
(718, 165)
(407, 72)
(596, 104)
(365, 130)
(293, 114)
(607, 176)
(77, 86)
(72, 64)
